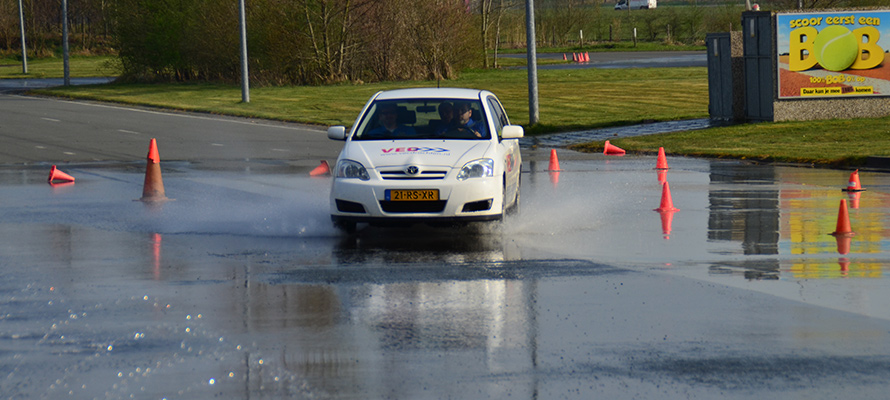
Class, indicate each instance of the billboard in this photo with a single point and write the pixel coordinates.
(833, 54)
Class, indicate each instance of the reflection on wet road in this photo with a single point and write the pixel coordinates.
(240, 288)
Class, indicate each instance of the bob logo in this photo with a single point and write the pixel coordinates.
(406, 150)
(837, 46)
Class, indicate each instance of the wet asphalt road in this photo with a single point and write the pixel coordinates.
(240, 288)
(40, 130)
(16, 85)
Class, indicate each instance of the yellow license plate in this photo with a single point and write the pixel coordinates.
(412, 194)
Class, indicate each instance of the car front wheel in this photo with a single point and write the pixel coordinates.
(511, 208)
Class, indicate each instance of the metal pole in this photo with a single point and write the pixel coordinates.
(531, 53)
(245, 84)
(65, 66)
(24, 48)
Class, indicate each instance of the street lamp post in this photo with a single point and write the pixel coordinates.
(24, 48)
(532, 62)
(65, 67)
(245, 84)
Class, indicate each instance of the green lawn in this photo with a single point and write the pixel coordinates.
(838, 143)
(78, 66)
(569, 100)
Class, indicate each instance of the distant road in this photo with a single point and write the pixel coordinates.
(47, 130)
(627, 59)
(10, 85)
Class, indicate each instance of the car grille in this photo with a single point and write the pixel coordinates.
(398, 174)
(412, 206)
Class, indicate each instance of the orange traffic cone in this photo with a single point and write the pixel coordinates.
(321, 169)
(586, 57)
(153, 189)
(554, 161)
(611, 150)
(843, 221)
(666, 203)
(58, 176)
(564, 57)
(853, 185)
(662, 162)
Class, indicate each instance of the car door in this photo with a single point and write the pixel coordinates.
(512, 160)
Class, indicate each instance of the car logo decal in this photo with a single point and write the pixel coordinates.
(412, 170)
(416, 150)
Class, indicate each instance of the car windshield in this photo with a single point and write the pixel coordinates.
(423, 119)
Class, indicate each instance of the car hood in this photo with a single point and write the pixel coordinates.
(388, 153)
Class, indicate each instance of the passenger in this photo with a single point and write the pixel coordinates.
(464, 124)
(446, 113)
(388, 117)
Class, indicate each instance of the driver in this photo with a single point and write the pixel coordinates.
(463, 123)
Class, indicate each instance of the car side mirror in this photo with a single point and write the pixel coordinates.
(512, 132)
(337, 132)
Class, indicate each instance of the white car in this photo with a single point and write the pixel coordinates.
(636, 4)
(403, 163)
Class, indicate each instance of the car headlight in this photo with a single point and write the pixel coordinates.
(477, 169)
(352, 169)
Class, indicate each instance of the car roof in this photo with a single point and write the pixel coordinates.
(446, 93)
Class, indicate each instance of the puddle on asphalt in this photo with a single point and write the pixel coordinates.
(242, 274)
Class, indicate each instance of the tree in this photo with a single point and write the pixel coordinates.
(491, 14)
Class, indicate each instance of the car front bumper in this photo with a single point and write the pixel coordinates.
(475, 199)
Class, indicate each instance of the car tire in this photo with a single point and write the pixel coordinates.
(513, 209)
(516, 208)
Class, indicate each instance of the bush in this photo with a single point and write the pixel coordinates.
(294, 42)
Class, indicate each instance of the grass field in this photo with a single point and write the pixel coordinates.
(78, 66)
(837, 143)
(569, 100)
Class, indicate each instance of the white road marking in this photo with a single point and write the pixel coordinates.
(126, 131)
(50, 119)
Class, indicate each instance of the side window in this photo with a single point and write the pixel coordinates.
(498, 114)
